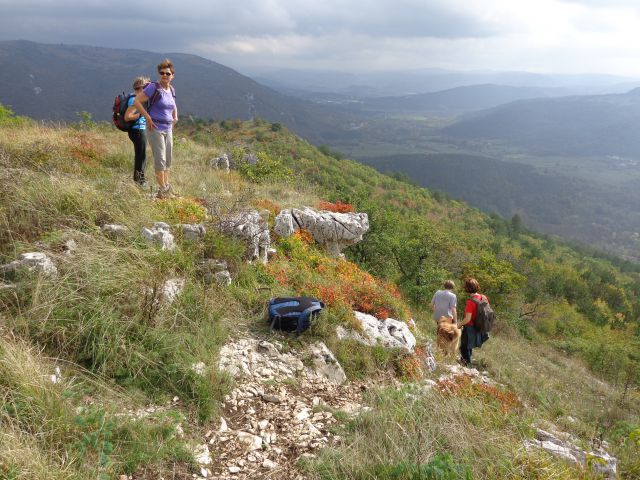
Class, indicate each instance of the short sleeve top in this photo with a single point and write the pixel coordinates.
(472, 308)
(161, 111)
(141, 123)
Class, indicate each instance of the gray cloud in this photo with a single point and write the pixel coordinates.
(353, 35)
(178, 24)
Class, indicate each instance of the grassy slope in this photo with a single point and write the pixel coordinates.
(116, 350)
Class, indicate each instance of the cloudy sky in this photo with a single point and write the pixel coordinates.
(552, 36)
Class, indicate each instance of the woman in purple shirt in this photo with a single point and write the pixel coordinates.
(161, 116)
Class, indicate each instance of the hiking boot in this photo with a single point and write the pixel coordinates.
(463, 362)
(171, 191)
(142, 183)
(166, 192)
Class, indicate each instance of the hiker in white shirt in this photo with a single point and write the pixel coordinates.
(444, 303)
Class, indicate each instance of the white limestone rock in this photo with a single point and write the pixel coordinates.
(252, 227)
(192, 232)
(171, 289)
(201, 454)
(114, 231)
(161, 235)
(33, 262)
(70, 247)
(220, 163)
(199, 368)
(253, 442)
(325, 364)
(334, 231)
(564, 446)
(389, 333)
(223, 278)
(215, 271)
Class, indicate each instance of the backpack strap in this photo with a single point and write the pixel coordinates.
(478, 300)
(307, 313)
(156, 94)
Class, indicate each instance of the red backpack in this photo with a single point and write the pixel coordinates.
(120, 105)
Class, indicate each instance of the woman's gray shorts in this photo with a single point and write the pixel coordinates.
(162, 148)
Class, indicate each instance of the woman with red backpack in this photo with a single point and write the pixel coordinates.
(472, 337)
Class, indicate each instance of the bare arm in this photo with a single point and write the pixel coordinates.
(175, 115)
(454, 312)
(467, 319)
(137, 103)
(131, 113)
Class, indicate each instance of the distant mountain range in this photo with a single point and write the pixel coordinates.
(580, 125)
(453, 101)
(399, 83)
(56, 81)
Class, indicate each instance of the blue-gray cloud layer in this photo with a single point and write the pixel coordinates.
(153, 25)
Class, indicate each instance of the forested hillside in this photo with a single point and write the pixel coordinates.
(572, 205)
(578, 125)
(103, 376)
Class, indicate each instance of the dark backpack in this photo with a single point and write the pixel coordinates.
(120, 105)
(485, 316)
(293, 314)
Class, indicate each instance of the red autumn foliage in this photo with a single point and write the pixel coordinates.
(336, 282)
(463, 386)
(337, 207)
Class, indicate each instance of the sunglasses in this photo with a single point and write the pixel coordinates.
(168, 74)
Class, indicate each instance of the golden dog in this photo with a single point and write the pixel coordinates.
(448, 337)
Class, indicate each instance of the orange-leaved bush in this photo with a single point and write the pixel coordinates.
(266, 204)
(337, 207)
(183, 210)
(304, 270)
(463, 386)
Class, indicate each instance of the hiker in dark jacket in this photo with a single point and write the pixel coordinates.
(471, 337)
(161, 117)
(138, 134)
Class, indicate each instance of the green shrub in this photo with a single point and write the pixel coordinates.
(441, 467)
(265, 169)
(10, 119)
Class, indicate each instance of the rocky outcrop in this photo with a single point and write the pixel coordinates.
(171, 289)
(215, 271)
(114, 231)
(334, 231)
(70, 247)
(160, 234)
(564, 446)
(191, 232)
(324, 363)
(389, 333)
(251, 227)
(220, 163)
(33, 262)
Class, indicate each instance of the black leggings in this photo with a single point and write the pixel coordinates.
(139, 139)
